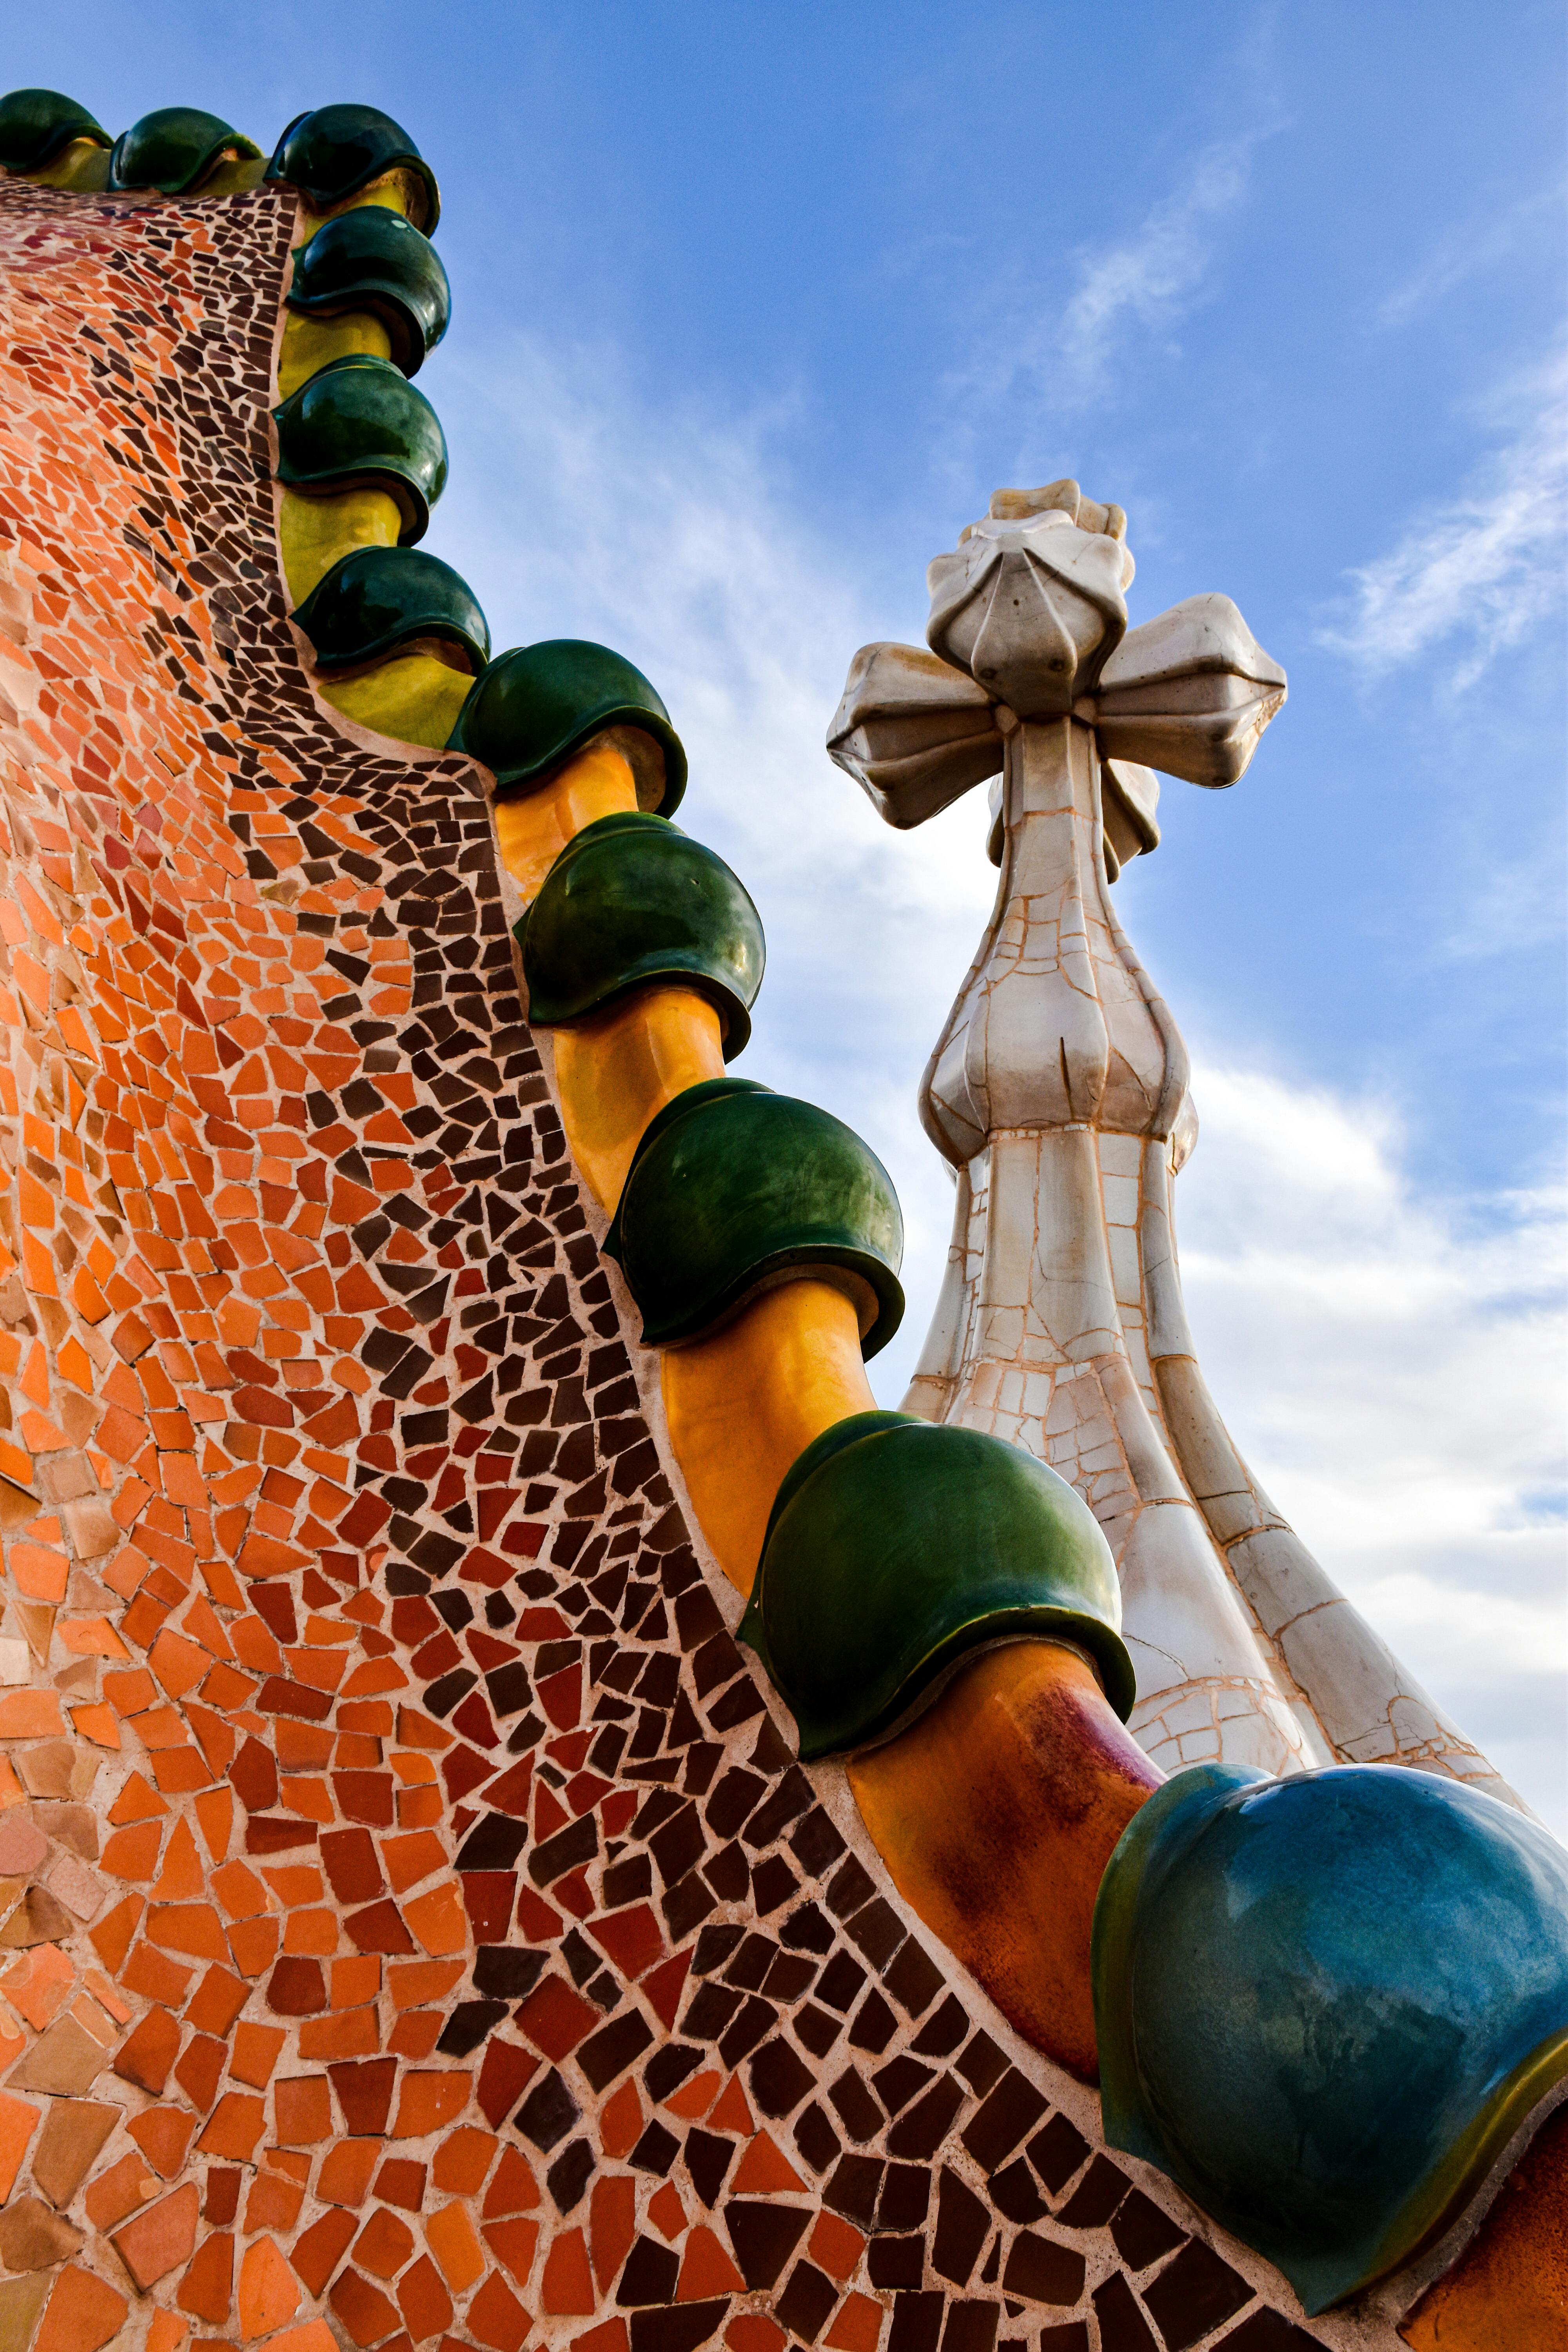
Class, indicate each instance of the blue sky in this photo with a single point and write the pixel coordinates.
(755, 307)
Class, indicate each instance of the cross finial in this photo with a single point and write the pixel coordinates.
(1028, 622)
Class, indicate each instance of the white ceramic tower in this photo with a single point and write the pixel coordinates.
(1057, 1092)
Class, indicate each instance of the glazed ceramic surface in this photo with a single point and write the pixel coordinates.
(896, 1548)
(35, 124)
(1325, 2005)
(733, 1184)
(357, 420)
(1057, 1091)
(174, 149)
(632, 902)
(376, 260)
(537, 705)
(332, 152)
(380, 597)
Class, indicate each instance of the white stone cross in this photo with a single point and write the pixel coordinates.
(1057, 1092)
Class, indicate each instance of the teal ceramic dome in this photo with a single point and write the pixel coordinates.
(378, 598)
(538, 704)
(896, 1548)
(174, 150)
(372, 259)
(734, 1186)
(1325, 2005)
(359, 420)
(35, 124)
(629, 903)
(335, 151)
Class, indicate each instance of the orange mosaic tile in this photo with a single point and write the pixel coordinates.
(157, 2241)
(268, 2295)
(463, 2160)
(83, 2313)
(423, 2300)
(453, 2241)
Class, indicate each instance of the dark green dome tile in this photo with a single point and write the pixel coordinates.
(631, 902)
(333, 152)
(734, 1186)
(537, 705)
(896, 1548)
(376, 598)
(360, 420)
(172, 149)
(35, 124)
(1325, 2005)
(373, 259)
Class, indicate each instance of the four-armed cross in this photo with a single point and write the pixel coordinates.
(1059, 1092)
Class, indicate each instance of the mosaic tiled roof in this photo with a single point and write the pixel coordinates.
(420, 1932)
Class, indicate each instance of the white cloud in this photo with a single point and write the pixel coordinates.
(1393, 1368)
(1066, 329)
(1464, 253)
(1481, 573)
(1509, 906)
(1391, 1374)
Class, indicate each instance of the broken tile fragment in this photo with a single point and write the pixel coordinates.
(33, 2235)
(161, 2238)
(74, 2131)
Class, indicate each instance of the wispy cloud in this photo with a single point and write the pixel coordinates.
(1510, 905)
(1151, 278)
(1482, 571)
(1465, 252)
(1067, 329)
(1062, 330)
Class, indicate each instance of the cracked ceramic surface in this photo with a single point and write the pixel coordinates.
(1031, 609)
(1059, 1092)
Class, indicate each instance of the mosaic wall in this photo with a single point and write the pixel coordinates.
(419, 1932)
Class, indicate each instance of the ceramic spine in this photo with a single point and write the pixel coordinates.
(398, 636)
(362, 457)
(913, 1579)
(760, 1239)
(731, 1189)
(644, 954)
(175, 150)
